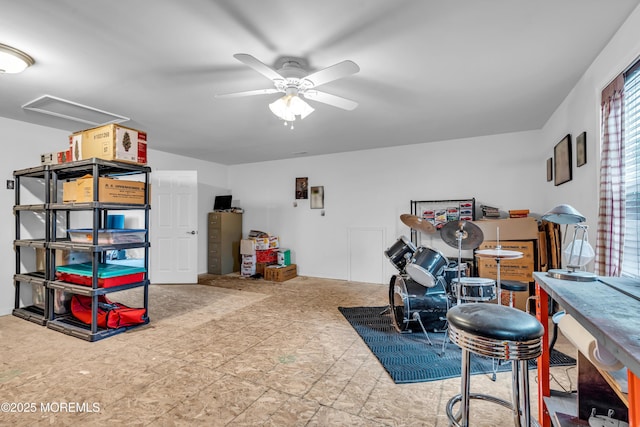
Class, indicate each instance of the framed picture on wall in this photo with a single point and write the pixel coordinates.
(562, 161)
(581, 149)
(317, 197)
(302, 189)
(550, 169)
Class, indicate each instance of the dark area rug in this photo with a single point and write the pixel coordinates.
(408, 357)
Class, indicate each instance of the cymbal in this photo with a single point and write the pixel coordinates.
(470, 234)
(498, 253)
(417, 223)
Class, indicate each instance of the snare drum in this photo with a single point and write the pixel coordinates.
(426, 265)
(408, 298)
(474, 289)
(400, 252)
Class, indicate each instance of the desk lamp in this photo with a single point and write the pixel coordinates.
(565, 214)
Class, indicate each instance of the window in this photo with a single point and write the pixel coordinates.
(631, 251)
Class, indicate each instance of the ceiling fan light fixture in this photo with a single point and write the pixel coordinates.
(290, 106)
(13, 60)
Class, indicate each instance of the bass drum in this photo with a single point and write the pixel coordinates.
(408, 299)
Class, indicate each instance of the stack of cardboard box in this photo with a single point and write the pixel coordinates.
(264, 256)
(514, 234)
(108, 142)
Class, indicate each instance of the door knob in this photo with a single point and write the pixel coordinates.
(192, 232)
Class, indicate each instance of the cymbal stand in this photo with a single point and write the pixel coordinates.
(498, 247)
(460, 234)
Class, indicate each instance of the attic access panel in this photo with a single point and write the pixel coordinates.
(70, 110)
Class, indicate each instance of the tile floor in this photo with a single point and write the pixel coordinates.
(228, 352)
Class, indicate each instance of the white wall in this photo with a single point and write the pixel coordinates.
(580, 112)
(370, 189)
(25, 142)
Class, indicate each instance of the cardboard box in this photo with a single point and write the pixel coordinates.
(269, 256)
(284, 256)
(274, 242)
(110, 142)
(509, 229)
(109, 190)
(55, 158)
(247, 247)
(262, 243)
(277, 273)
(520, 269)
(248, 259)
(247, 269)
(64, 156)
(248, 265)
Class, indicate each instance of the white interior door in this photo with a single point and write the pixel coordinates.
(174, 227)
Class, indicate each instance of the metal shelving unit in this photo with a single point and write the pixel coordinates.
(35, 279)
(56, 211)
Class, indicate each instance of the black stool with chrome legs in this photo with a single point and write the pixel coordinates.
(501, 332)
(513, 286)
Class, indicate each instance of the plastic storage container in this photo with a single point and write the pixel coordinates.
(107, 236)
(108, 274)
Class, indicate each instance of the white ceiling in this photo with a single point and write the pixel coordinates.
(431, 70)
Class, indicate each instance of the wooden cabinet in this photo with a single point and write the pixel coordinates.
(224, 234)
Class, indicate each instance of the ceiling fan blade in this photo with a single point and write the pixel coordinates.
(334, 72)
(259, 66)
(247, 93)
(333, 100)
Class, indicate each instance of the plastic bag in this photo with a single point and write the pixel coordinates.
(577, 258)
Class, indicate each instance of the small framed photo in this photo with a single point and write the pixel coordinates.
(562, 161)
(581, 149)
(550, 169)
(317, 197)
(302, 191)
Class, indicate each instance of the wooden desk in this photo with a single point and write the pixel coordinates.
(611, 315)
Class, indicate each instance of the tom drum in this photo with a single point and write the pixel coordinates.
(450, 273)
(426, 265)
(400, 252)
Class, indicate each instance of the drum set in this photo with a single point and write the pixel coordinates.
(428, 284)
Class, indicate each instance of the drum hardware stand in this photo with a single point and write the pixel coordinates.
(445, 339)
(387, 309)
(459, 237)
(453, 233)
(416, 316)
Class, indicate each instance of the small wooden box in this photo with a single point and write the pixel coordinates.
(276, 273)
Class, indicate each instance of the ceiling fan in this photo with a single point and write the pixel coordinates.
(291, 77)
